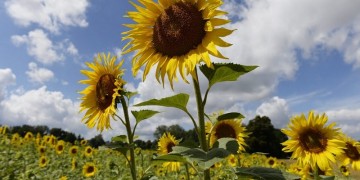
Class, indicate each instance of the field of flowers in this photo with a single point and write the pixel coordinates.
(45, 157)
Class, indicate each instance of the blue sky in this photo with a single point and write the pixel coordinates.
(309, 59)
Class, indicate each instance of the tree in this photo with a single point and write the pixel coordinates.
(264, 137)
(96, 141)
(160, 130)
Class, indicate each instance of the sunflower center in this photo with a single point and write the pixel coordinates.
(271, 162)
(43, 161)
(88, 150)
(90, 169)
(179, 29)
(352, 152)
(105, 90)
(60, 148)
(74, 151)
(313, 141)
(225, 130)
(169, 147)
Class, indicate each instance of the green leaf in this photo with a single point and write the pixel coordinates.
(327, 177)
(230, 144)
(122, 149)
(170, 158)
(143, 114)
(129, 94)
(231, 115)
(177, 101)
(261, 173)
(120, 138)
(204, 159)
(224, 72)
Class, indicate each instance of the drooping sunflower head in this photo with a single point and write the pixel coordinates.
(104, 83)
(312, 142)
(89, 169)
(166, 143)
(231, 128)
(351, 154)
(175, 34)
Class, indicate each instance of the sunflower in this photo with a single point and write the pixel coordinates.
(271, 162)
(344, 170)
(351, 154)
(41, 149)
(74, 164)
(165, 144)
(60, 146)
(175, 34)
(29, 136)
(231, 129)
(231, 159)
(101, 95)
(89, 169)
(88, 151)
(73, 150)
(311, 142)
(83, 142)
(43, 161)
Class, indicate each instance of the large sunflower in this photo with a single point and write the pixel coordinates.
(231, 128)
(100, 96)
(311, 142)
(165, 145)
(351, 154)
(175, 34)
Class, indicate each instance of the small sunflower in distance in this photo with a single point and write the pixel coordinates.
(165, 145)
(312, 142)
(175, 34)
(351, 154)
(89, 169)
(231, 128)
(100, 96)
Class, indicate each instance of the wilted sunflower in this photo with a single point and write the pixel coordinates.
(230, 129)
(175, 34)
(311, 142)
(165, 145)
(351, 154)
(43, 161)
(100, 96)
(89, 169)
(60, 146)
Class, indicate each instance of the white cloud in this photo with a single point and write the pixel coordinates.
(39, 75)
(276, 109)
(43, 107)
(52, 15)
(43, 49)
(347, 119)
(7, 78)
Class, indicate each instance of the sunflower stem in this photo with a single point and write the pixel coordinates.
(201, 116)
(130, 137)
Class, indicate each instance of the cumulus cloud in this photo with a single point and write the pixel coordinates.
(276, 109)
(7, 78)
(43, 107)
(42, 48)
(39, 75)
(52, 15)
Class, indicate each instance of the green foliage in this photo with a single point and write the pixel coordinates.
(230, 144)
(177, 101)
(143, 114)
(264, 137)
(96, 141)
(260, 173)
(120, 138)
(224, 72)
(231, 115)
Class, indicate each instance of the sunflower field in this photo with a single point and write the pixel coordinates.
(171, 39)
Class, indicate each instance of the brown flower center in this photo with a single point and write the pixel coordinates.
(179, 29)
(271, 162)
(90, 169)
(352, 152)
(225, 130)
(105, 90)
(43, 161)
(88, 150)
(73, 151)
(313, 141)
(60, 147)
(169, 147)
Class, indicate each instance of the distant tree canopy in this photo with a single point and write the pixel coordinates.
(188, 138)
(96, 141)
(265, 138)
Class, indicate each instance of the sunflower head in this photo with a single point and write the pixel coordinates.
(175, 34)
(231, 128)
(351, 153)
(60, 146)
(344, 170)
(312, 142)
(232, 160)
(43, 161)
(73, 150)
(104, 84)
(88, 151)
(166, 143)
(89, 169)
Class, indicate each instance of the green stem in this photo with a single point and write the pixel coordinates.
(187, 171)
(201, 116)
(130, 137)
(316, 173)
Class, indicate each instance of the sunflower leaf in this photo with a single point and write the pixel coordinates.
(231, 115)
(177, 101)
(261, 173)
(230, 144)
(143, 114)
(170, 158)
(120, 138)
(224, 72)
